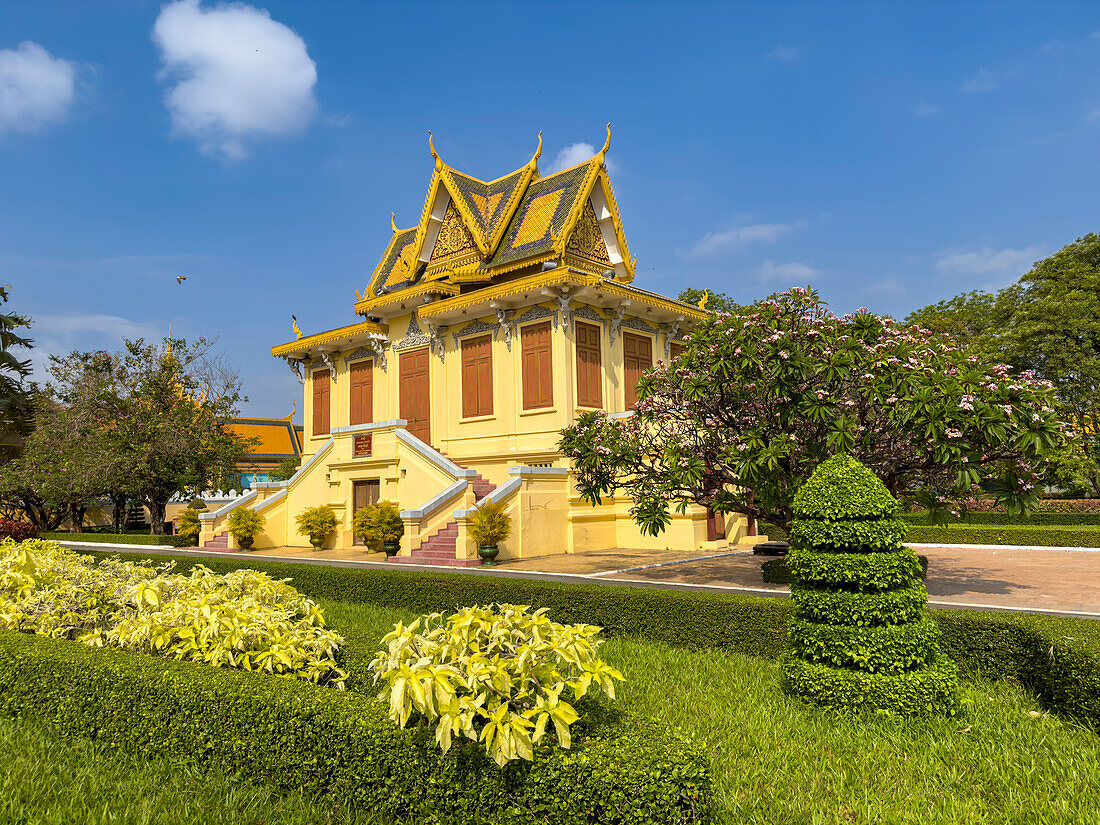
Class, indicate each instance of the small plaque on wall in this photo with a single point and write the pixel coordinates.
(361, 445)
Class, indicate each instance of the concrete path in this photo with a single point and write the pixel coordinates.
(1048, 580)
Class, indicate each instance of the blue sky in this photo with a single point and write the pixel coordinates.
(888, 154)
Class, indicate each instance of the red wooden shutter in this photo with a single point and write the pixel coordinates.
(477, 376)
(414, 393)
(589, 366)
(537, 366)
(637, 360)
(321, 394)
(362, 392)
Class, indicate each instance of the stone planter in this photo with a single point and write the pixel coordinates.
(391, 548)
(488, 553)
(245, 542)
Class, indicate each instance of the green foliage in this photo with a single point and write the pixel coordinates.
(716, 301)
(490, 523)
(887, 648)
(975, 320)
(862, 608)
(118, 538)
(994, 645)
(242, 619)
(245, 523)
(317, 522)
(285, 469)
(889, 570)
(928, 690)
(188, 524)
(858, 639)
(872, 534)
(14, 396)
(758, 398)
(1042, 518)
(379, 523)
(495, 674)
(842, 488)
(1025, 535)
(621, 770)
(778, 571)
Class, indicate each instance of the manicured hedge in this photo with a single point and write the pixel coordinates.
(342, 744)
(922, 692)
(1039, 519)
(120, 538)
(1056, 657)
(1043, 536)
(777, 571)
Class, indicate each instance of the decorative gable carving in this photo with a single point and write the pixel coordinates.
(414, 337)
(454, 241)
(587, 239)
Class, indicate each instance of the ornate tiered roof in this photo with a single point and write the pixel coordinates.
(472, 231)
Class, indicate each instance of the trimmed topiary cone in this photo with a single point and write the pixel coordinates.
(859, 638)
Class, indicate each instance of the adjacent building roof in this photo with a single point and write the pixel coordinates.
(278, 438)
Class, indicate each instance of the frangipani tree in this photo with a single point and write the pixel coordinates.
(738, 421)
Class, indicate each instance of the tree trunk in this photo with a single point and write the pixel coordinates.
(76, 514)
(156, 516)
(118, 517)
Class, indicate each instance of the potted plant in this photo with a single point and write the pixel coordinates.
(245, 525)
(188, 525)
(318, 523)
(490, 524)
(380, 524)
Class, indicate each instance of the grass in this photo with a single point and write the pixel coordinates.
(49, 780)
(777, 761)
(1005, 759)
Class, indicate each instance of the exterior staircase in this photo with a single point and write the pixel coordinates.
(219, 542)
(439, 548)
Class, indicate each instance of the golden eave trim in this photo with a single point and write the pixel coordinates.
(553, 277)
(641, 296)
(309, 341)
(430, 288)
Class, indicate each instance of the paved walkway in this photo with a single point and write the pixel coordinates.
(1052, 580)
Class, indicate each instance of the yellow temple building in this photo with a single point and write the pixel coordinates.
(486, 328)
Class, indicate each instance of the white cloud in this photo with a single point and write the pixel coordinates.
(927, 110)
(36, 88)
(234, 74)
(740, 235)
(891, 286)
(1000, 264)
(794, 272)
(983, 81)
(61, 334)
(786, 54)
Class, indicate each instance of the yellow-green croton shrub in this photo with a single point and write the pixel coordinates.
(499, 674)
(242, 619)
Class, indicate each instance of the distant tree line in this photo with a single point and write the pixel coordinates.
(142, 425)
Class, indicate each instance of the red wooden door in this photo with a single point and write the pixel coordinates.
(363, 494)
(637, 360)
(716, 526)
(414, 395)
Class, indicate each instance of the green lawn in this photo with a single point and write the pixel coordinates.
(774, 760)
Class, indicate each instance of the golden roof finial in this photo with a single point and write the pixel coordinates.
(393, 222)
(704, 299)
(431, 145)
(294, 325)
(292, 412)
(358, 294)
(538, 153)
(169, 353)
(606, 143)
